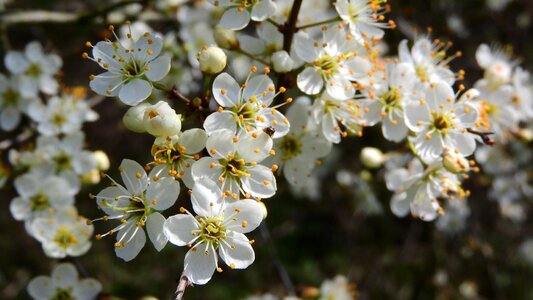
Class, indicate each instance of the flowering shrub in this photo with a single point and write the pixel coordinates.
(245, 104)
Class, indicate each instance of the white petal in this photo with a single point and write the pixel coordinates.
(234, 19)
(254, 149)
(415, 113)
(200, 265)
(340, 87)
(202, 168)
(48, 84)
(248, 211)
(226, 90)
(179, 228)
(159, 68)
(27, 185)
(133, 176)
(262, 10)
(329, 125)
(206, 198)
(9, 118)
(163, 193)
(240, 255)
(261, 182)
(400, 204)
(110, 194)
(20, 209)
(297, 171)
(105, 82)
(41, 287)
(309, 81)
(216, 121)
(273, 118)
(15, 62)
(135, 91)
(154, 227)
(64, 275)
(394, 132)
(221, 144)
(484, 56)
(193, 140)
(87, 289)
(134, 244)
(258, 85)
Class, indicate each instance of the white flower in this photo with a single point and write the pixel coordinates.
(246, 108)
(440, 123)
(331, 114)
(130, 69)
(523, 94)
(64, 284)
(298, 151)
(137, 204)
(337, 288)
(429, 60)
(161, 120)
(35, 68)
(386, 98)
(65, 233)
(61, 115)
(497, 112)
(175, 155)
(372, 158)
(220, 225)
(12, 102)
(133, 118)
(40, 196)
(234, 164)
(238, 13)
(365, 18)
(331, 61)
(497, 65)
(417, 190)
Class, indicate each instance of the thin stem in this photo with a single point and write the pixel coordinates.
(252, 56)
(183, 283)
(285, 278)
(269, 20)
(319, 23)
(290, 26)
(412, 148)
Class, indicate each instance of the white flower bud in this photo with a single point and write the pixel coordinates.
(161, 120)
(133, 118)
(212, 60)
(282, 61)
(498, 74)
(91, 177)
(455, 163)
(263, 209)
(102, 161)
(225, 38)
(372, 158)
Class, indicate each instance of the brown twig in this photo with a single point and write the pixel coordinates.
(487, 140)
(289, 28)
(183, 283)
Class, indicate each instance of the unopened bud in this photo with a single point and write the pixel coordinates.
(498, 74)
(102, 161)
(372, 158)
(161, 120)
(455, 163)
(264, 210)
(133, 118)
(91, 177)
(225, 38)
(212, 60)
(282, 62)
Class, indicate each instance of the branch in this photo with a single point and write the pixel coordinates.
(183, 283)
(289, 27)
(487, 140)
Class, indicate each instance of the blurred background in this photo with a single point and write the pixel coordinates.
(342, 224)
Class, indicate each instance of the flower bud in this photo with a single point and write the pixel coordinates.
(91, 177)
(498, 74)
(161, 120)
(455, 163)
(225, 38)
(282, 62)
(133, 118)
(212, 60)
(372, 158)
(263, 209)
(102, 161)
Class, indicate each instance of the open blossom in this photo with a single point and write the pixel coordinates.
(498, 67)
(429, 60)
(175, 155)
(219, 226)
(497, 111)
(385, 99)
(246, 108)
(137, 204)
(35, 69)
(12, 102)
(64, 233)
(64, 284)
(61, 114)
(234, 164)
(40, 196)
(417, 190)
(331, 61)
(298, 151)
(440, 123)
(238, 13)
(130, 69)
(365, 18)
(337, 288)
(336, 117)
